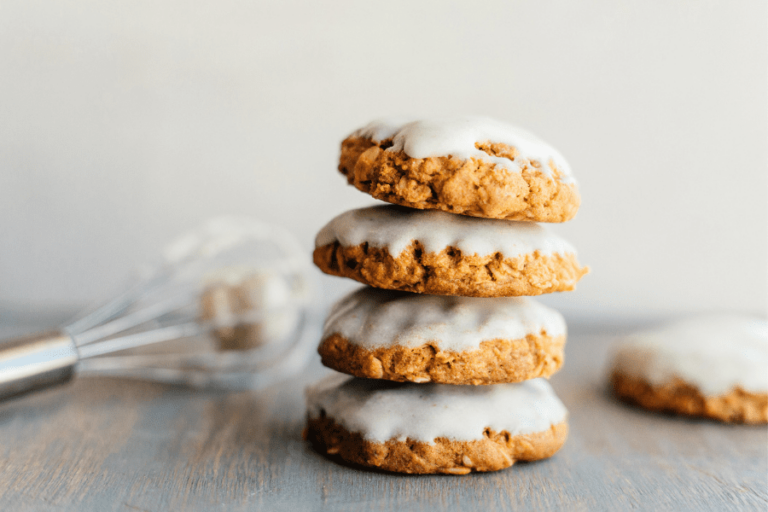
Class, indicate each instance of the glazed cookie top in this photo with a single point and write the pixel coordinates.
(371, 318)
(716, 354)
(458, 138)
(394, 228)
(382, 410)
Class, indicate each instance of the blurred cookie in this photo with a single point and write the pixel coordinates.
(715, 367)
(435, 428)
(400, 336)
(471, 166)
(248, 310)
(438, 253)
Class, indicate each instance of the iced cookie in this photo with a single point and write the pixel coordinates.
(471, 166)
(400, 336)
(438, 253)
(715, 366)
(435, 428)
(248, 309)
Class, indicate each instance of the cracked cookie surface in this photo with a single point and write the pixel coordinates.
(382, 334)
(434, 252)
(434, 428)
(498, 450)
(494, 362)
(449, 272)
(480, 168)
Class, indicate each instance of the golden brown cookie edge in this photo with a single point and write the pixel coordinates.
(475, 187)
(680, 397)
(494, 362)
(449, 272)
(497, 450)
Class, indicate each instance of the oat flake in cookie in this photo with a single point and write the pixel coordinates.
(435, 428)
(434, 252)
(400, 336)
(471, 166)
(714, 366)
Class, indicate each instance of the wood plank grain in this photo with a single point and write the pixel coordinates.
(109, 444)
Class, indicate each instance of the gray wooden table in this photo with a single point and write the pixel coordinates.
(109, 444)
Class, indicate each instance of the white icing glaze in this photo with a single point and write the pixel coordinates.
(373, 318)
(716, 354)
(457, 138)
(394, 228)
(381, 410)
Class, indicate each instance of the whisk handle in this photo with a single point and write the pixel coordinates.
(37, 361)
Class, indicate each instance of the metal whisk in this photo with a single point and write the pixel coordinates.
(225, 307)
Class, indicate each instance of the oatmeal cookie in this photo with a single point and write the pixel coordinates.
(712, 367)
(470, 166)
(438, 253)
(435, 428)
(400, 336)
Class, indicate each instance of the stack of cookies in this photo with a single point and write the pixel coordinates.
(448, 356)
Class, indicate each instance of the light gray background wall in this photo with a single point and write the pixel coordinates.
(125, 122)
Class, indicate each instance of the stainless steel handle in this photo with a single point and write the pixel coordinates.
(36, 361)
